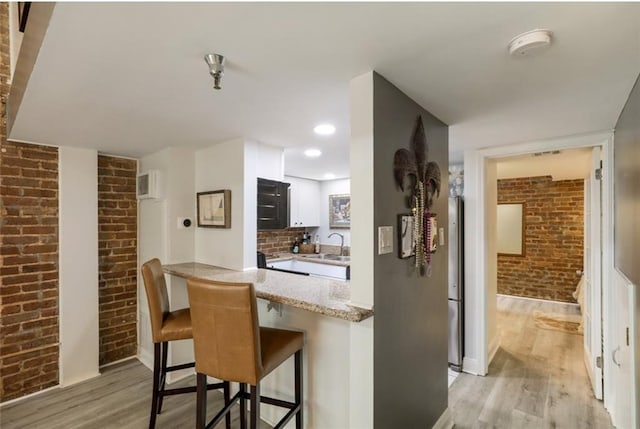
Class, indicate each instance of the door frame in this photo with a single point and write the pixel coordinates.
(478, 258)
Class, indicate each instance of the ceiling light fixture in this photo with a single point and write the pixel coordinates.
(527, 43)
(324, 129)
(216, 68)
(312, 153)
(329, 176)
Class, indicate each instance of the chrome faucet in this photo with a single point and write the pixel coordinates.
(341, 241)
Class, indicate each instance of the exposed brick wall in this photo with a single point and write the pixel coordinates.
(29, 273)
(554, 238)
(28, 255)
(5, 68)
(117, 241)
(272, 243)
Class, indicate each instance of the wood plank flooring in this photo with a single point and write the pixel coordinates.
(118, 399)
(536, 380)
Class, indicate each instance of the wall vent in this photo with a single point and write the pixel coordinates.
(147, 186)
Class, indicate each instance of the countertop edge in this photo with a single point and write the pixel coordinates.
(357, 314)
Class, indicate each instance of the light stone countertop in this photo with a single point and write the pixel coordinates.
(319, 295)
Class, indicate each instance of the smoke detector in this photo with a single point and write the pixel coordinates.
(527, 43)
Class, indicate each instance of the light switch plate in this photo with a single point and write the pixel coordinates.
(441, 234)
(385, 239)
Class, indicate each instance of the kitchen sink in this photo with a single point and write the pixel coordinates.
(328, 257)
(337, 258)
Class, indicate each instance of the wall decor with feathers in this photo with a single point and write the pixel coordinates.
(424, 186)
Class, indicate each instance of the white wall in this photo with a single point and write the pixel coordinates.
(161, 237)
(362, 245)
(256, 164)
(182, 202)
(177, 200)
(222, 167)
(361, 163)
(78, 264)
(332, 187)
(491, 201)
(269, 161)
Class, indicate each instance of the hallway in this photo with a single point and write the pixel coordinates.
(536, 380)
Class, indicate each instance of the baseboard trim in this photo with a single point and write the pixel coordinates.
(107, 365)
(146, 358)
(445, 421)
(77, 380)
(494, 345)
(471, 366)
(526, 298)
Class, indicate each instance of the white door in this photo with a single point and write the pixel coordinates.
(622, 413)
(592, 310)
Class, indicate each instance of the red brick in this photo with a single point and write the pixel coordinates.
(117, 243)
(553, 238)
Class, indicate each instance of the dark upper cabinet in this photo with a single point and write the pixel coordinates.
(273, 204)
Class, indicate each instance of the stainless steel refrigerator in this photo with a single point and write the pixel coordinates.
(456, 283)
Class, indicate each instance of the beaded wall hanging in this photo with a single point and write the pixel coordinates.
(424, 177)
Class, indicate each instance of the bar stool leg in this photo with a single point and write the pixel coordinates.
(255, 407)
(201, 401)
(243, 406)
(298, 387)
(156, 385)
(227, 399)
(163, 374)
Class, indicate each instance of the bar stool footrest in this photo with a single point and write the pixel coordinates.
(223, 412)
(181, 366)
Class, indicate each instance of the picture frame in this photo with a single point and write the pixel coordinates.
(406, 238)
(433, 227)
(340, 211)
(511, 229)
(214, 209)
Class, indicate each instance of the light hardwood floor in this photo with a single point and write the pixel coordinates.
(536, 380)
(119, 399)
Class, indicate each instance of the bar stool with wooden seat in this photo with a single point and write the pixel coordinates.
(167, 326)
(230, 345)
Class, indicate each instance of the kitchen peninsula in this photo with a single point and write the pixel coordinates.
(319, 295)
(318, 306)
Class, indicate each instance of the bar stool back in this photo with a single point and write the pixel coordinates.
(166, 326)
(230, 345)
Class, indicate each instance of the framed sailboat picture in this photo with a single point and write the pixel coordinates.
(214, 209)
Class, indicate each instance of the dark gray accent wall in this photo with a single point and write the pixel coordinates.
(627, 202)
(627, 187)
(410, 324)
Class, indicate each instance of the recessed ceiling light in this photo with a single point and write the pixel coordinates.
(329, 176)
(312, 153)
(324, 129)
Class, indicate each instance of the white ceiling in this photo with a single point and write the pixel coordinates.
(129, 78)
(566, 165)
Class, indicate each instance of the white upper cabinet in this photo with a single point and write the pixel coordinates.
(304, 202)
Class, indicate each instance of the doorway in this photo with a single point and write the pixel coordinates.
(480, 248)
